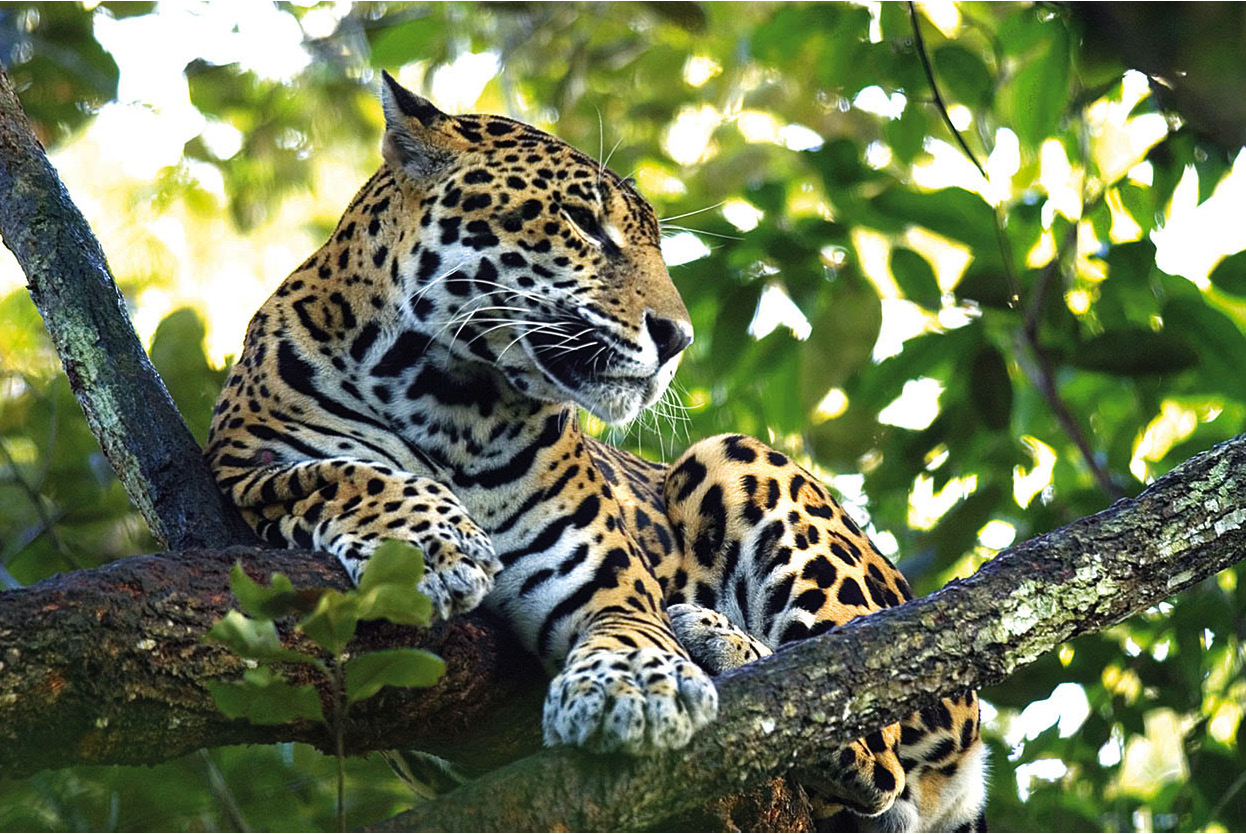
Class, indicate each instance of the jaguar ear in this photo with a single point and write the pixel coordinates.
(417, 139)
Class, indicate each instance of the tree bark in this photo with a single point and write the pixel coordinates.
(108, 666)
(100, 665)
(126, 404)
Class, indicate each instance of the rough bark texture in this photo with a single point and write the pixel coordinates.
(108, 665)
(101, 665)
(126, 404)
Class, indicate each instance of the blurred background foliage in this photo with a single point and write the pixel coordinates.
(975, 339)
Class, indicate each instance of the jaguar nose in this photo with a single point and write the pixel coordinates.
(669, 336)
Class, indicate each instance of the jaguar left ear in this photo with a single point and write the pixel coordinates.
(417, 139)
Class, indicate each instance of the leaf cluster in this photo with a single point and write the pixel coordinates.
(328, 619)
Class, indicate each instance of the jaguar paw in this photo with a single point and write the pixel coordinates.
(713, 640)
(637, 701)
(461, 563)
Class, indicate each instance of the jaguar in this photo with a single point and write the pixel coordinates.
(419, 378)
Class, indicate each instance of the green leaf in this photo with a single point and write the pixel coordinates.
(333, 622)
(841, 341)
(963, 74)
(730, 339)
(388, 588)
(1022, 31)
(957, 532)
(1220, 344)
(367, 673)
(1135, 352)
(839, 163)
(262, 697)
(253, 639)
(1139, 201)
(916, 278)
(907, 134)
(985, 284)
(1230, 274)
(268, 603)
(177, 351)
(402, 43)
(1036, 97)
(405, 606)
(393, 562)
(952, 212)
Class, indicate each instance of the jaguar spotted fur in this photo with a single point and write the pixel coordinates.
(418, 378)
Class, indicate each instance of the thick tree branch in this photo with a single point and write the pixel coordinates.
(108, 665)
(126, 404)
(100, 665)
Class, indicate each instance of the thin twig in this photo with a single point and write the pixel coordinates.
(47, 522)
(1043, 377)
(1035, 308)
(1237, 785)
(1041, 373)
(1001, 235)
(338, 680)
(220, 789)
(920, 43)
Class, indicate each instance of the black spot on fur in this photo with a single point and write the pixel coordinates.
(850, 593)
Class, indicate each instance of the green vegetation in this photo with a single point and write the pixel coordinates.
(997, 309)
(387, 590)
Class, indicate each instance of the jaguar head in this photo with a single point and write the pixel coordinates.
(535, 258)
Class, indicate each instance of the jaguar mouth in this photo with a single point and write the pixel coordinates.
(572, 352)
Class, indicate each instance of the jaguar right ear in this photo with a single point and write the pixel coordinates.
(417, 136)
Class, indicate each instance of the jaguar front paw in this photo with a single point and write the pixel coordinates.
(637, 701)
(460, 565)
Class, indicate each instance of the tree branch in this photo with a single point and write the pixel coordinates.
(108, 666)
(91, 676)
(126, 404)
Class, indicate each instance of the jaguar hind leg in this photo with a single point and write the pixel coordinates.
(768, 548)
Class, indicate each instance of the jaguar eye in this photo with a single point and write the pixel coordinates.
(585, 221)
